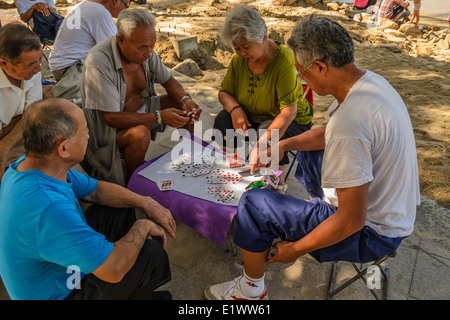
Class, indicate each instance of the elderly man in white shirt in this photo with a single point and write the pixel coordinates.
(88, 23)
(20, 86)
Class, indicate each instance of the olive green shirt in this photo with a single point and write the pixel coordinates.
(264, 96)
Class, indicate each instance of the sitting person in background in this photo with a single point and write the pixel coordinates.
(361, 170)
(260, 89)
(49, 248)
(26, 8)
(88, 23)
(119, 99)
(20, 86)
(42, 17)
(393, 10)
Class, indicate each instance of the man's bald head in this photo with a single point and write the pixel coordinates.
(47, 122)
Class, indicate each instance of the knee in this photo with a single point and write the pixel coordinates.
(157, 259)
(140, 136)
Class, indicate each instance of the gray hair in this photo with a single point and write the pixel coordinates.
(44, 123)
(130, 19)
(243, 22)
(16, 38)
(319, 38)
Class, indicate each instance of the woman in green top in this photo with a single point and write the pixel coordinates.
(260, 89)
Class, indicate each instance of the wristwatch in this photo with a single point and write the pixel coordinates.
(158, 117)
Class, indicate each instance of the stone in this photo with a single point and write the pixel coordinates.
(189, 68)
(388, 24)
(413, 32)
(395, 33)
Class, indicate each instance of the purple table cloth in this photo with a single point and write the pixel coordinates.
(210, 219)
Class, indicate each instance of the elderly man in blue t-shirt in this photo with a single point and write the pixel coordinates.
(49, 248)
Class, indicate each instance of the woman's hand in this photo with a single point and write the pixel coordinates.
(240, 121)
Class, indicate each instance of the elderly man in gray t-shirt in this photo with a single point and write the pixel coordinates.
(119, 100)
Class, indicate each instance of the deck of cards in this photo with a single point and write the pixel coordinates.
(194, 164)
(234, 161)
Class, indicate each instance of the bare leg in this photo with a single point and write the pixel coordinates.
(134, 142)
(255, 263)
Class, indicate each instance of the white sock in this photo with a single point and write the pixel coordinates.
(251, 287)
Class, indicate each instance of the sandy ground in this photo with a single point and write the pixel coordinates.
(423, 82)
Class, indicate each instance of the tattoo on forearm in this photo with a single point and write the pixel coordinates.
(135, 237)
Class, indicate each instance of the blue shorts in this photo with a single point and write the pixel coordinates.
(265, 215)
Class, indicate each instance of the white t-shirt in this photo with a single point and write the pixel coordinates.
(87, 24)
(369, 138)
(14, 100)
(23, 6)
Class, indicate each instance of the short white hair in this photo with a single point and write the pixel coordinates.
(243, 22)
(130, 19)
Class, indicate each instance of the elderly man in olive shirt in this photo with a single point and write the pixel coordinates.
(119, 100)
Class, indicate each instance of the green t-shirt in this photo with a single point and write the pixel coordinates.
(264, 96)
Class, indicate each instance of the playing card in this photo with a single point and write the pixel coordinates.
(165, 185)
(272, 179)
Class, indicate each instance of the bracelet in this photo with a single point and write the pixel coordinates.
(234, 109)
(184, 98)
(158, 117)
(269, 142)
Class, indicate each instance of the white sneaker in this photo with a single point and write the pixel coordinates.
(230, 291)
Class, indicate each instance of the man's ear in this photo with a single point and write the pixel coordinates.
(120, 39)
(322, 66)
(62, 148)
(3, 63)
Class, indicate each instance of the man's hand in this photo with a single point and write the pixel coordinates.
(174, 117)
(190, 105)
(157, 233)
(261, 155)
(160, 215)
(42, 8)
(47, 92)
(284, 252)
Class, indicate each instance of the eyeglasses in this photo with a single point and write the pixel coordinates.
(300, 74)
(127, 4)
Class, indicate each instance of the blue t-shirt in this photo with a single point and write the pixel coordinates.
(43, 231)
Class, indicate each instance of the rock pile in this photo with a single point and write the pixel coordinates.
(406, 38)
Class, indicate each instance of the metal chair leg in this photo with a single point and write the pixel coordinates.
(361, 275)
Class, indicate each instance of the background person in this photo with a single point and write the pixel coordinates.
(26, 8)
(87, 23)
